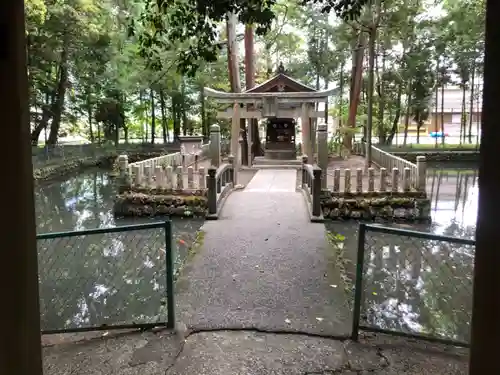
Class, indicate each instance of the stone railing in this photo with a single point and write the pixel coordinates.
(377, 181)
(311, 188)
(154, 175)
(150, 172)
(407, 172)
(220, 182)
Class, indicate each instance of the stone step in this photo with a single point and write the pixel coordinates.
(259, 160)
(275, 166)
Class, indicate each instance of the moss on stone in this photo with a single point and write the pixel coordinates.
(373, 208)
(139, 204)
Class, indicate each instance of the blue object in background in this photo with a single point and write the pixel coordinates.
(436, 134)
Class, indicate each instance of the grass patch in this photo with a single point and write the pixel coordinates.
(336, 242)
(193, 250)
(440, 147)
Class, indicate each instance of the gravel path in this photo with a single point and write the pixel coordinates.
(264, 265)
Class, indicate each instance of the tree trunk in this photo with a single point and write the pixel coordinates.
(397, 116)
(250, 83)
(89, 117)
(463, 117)
(442, 110)
(205, 131)
(58, 107)
(407, 116)
(371, 81)
(356, 83)
(382, 134)
(471, 100)
(176, 116)
(234, 79)
(164, 124)
(436, 105)
(341, 95)
(153, 115)
(183, 109)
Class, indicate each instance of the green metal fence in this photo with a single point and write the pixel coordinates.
(110, 278)
(413, 284)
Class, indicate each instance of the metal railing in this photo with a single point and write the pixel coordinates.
(220, 182)
(109, 278)
(413, 284)
(311, 186)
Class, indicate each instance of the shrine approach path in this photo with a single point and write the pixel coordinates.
(263, 265)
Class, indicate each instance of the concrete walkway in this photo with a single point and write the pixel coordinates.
(263, 265)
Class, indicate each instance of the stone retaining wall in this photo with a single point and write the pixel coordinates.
(438, 156)
(155, 203)
(393, 206)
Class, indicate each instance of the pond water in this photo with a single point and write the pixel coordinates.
(100, 279)
(410, 284)
(418, 285)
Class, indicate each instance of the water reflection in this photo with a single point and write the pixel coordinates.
(419, 285)
(100, 279)
(416, 285)
(453, 190)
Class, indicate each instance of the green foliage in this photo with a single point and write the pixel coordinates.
(98, 66)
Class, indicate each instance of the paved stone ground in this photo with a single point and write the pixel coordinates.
(264, 265)
(249, 352)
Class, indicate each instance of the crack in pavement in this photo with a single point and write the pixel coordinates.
(184, 333)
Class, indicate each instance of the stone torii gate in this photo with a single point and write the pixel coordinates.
(281, 100)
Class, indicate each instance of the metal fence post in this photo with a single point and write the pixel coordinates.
(358, 291)
(212, 191)
(170, 275)
(316, 193)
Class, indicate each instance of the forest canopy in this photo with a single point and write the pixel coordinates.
(134, 70)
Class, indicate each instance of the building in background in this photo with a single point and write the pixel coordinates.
(451, 111)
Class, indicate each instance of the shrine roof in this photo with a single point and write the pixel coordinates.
(280, 83)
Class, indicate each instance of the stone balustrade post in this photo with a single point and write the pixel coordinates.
(136, 172)
(212, 191)
(421, 173)
(347, 180)
(371, 180)
(336, 180)
(159, 177)
(180, 177)
(322, 133)
(316, 192)
(215, 145)
(190, 176)
(383, 179)
(196, 157)
(202, 178)
(169, 177)
(232, 172)
(359, 180)
(148, 174)
(406, 179)
(304, 170)
(123, 165)
(395, 179)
